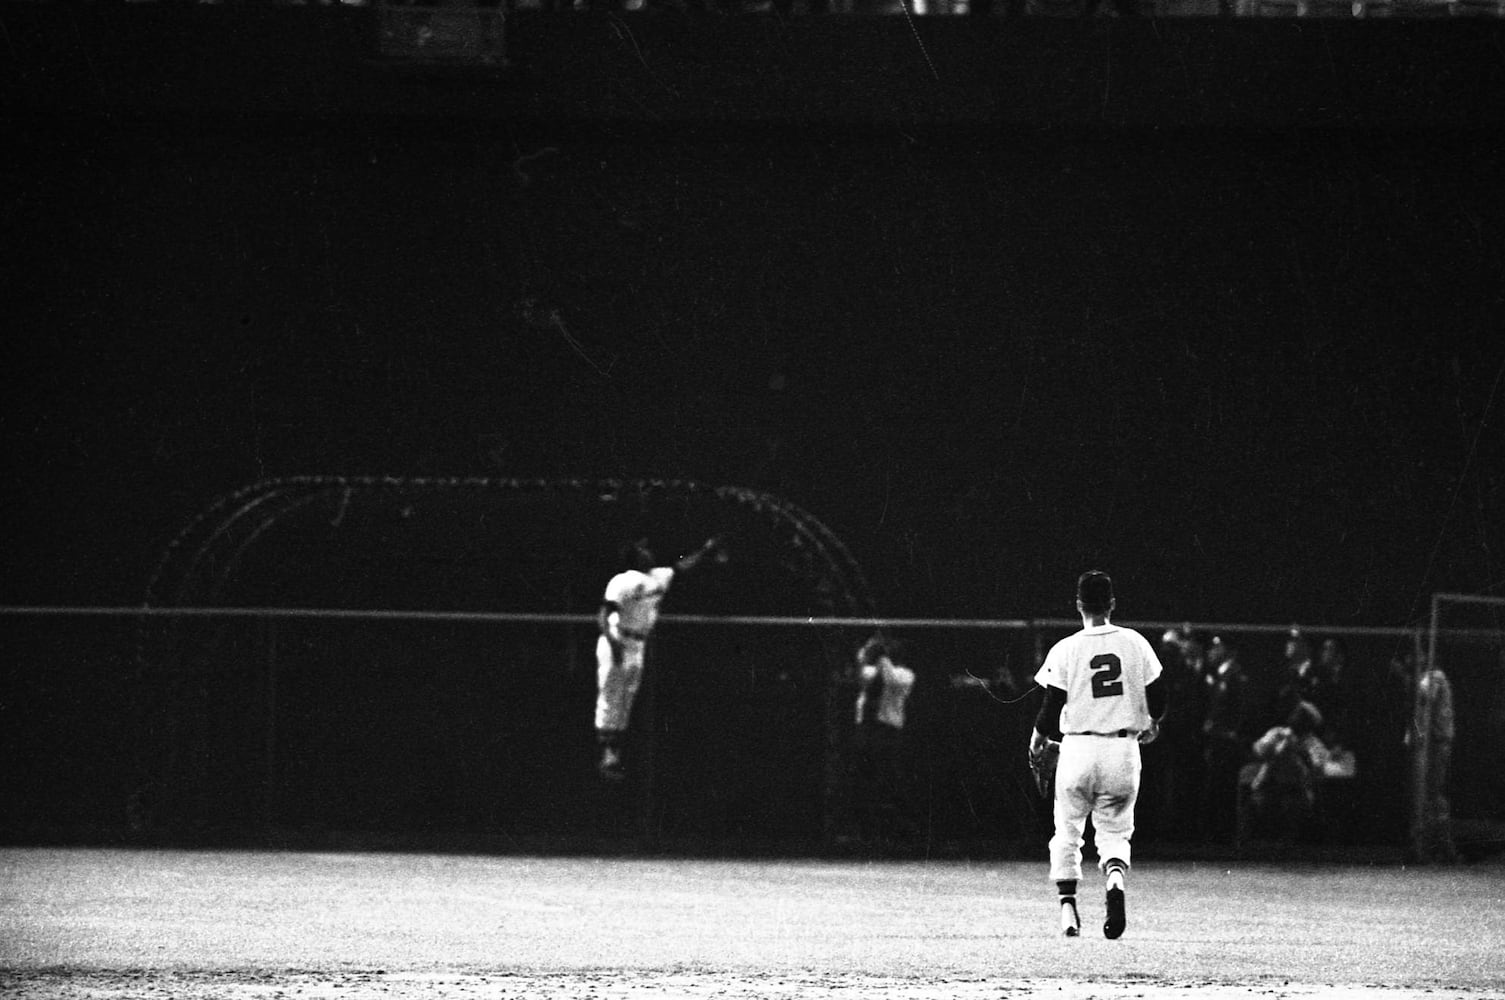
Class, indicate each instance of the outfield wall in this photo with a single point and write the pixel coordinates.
(309, 730)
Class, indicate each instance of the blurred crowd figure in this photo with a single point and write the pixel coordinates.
(880, 711)
(1229, 745)
(1430, 736)
(1273, 755)
(1282, 781)
(1226, 730)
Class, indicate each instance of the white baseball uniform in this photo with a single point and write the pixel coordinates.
(893, 696)
(619, 650)
(1104, 670)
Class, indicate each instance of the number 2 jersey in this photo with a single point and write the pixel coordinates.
(1104, 670)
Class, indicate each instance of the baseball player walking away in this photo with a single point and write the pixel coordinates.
(1103, 697)
(628, 612)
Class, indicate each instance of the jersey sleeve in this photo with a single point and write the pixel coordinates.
(1152, 666)
(615, 587)
(1049, 674)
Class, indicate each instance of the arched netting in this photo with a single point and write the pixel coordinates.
(491, 544)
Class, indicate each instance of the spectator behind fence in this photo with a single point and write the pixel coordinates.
(885, 683)
(1288, 766)
(1386, 732)
(1298, 676)
(1192, 749)
(1334, 692)
(1431, 741)
(1226, 732)
(1337, 696)
(1172, 782)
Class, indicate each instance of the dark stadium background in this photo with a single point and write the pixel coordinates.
(1215, 307)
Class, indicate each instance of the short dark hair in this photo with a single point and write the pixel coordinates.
(1094, 589)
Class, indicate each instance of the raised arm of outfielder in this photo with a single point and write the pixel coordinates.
(712, 547)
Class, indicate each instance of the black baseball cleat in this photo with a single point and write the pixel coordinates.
(1114, 926)
(611, 767)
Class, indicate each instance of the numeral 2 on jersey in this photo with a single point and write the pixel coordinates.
(1107, 676)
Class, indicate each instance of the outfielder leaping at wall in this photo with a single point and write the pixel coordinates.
(628, 612)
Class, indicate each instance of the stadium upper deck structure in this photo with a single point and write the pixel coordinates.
(1430, 65)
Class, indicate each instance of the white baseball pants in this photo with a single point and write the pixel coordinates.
(1097, 776)
(619, 673)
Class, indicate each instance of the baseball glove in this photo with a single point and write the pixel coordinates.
(1042, 764)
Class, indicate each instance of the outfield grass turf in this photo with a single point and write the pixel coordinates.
(201, 924)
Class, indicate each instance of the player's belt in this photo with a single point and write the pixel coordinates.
(633, 633)
(1120, 733)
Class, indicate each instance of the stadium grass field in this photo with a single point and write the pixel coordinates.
(95, 923)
